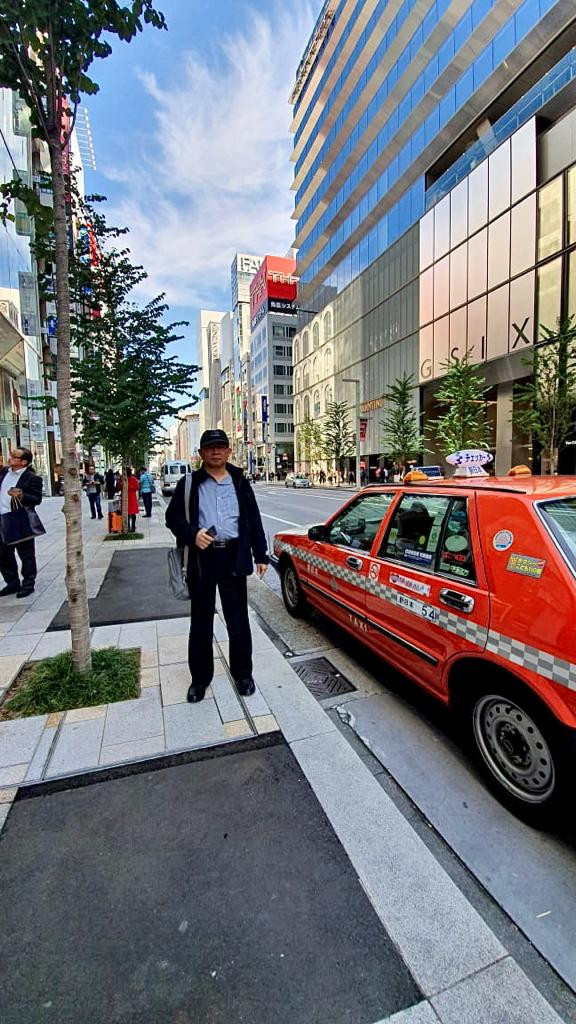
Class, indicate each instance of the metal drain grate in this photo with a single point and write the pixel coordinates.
(321, 678)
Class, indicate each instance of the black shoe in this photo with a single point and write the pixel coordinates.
(9, 590)
(92, 517)
(195, 694)
(100, 517)
(246, 687)
(25, 592)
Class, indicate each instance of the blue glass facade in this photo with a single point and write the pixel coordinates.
(367, 165)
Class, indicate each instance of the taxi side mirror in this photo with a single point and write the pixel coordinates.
(318, 532)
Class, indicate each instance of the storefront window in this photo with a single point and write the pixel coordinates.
(549, 289)
(550, 219)
(572, 284)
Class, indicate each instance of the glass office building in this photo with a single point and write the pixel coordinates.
(433, 148)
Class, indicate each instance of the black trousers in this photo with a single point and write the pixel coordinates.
(9, 565)
(147, 501)
(95, 505)
(217, 572)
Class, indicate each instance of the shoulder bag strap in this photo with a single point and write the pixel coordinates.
(187, 492)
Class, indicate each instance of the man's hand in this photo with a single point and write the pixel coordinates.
(15, 492)
(260, 569)
(203, 539)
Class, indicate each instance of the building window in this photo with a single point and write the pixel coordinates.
(327, 326)
(296, 351)
(283, 408)
(305, 343)
(316, 336)
(306, 407)
(297, 380)
(306, 377)
(316, 405)
(316, 370)
(328, 362)
(279, 371)
(280, 351)
(279, 389)
(297, 416)
(571, 210)
(549, 291)
(572, 283)
(284, 428)
(327, 396)
(550, 219)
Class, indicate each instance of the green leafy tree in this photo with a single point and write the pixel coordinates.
(463, 424)
(311, 442)
(401, 436)
(47, 49)
(545, 406)
(337, 435)
(125, 382)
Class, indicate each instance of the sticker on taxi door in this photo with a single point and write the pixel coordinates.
(425, 611)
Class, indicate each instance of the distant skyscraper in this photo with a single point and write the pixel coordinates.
(244, 266)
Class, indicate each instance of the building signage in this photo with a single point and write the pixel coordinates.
(363, 427)
(264, 409)
(372, 404)
(273, 288)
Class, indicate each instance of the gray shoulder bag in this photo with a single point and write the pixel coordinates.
(178, 557)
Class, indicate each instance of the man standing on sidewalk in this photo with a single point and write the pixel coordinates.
(92, 484)
(18, 481)
(147, 488)
(224, 537)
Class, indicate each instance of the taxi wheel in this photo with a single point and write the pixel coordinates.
(517, 751)
(294, 599)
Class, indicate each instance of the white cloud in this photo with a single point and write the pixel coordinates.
(214, 174)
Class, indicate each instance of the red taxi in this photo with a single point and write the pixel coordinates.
(468, 586)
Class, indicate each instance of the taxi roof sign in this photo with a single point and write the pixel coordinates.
(469, 462)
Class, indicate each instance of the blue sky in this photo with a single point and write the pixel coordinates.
(192, 142)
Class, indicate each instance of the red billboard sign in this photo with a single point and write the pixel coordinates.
(273, 288)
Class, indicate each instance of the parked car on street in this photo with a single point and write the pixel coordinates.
(296, 480)
(468, 586)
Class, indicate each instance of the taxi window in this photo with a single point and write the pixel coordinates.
(560, 518)
(455, 554)
(357, 525)
(415, 530)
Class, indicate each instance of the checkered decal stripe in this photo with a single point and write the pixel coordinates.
(515, 651)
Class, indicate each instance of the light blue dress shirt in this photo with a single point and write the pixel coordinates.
(218, 506)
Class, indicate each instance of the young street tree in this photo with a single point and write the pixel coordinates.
(401, 437)
(47, 48)
(125, 382)
(464, 423)
(545, 407)
(337, 435)
(310, 442)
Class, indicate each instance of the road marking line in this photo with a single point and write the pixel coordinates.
(278, 520)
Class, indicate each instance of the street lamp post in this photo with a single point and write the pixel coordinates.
(355, 381)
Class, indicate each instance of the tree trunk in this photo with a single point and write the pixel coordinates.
(75, 572)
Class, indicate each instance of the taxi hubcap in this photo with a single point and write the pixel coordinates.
(291, 587)
(513, 748)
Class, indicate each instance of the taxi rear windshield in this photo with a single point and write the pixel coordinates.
(560, 518)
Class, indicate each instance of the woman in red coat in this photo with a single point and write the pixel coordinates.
(133, 488)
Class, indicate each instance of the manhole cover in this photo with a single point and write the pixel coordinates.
(321, 678)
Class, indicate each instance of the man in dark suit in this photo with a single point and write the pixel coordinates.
(18, 481)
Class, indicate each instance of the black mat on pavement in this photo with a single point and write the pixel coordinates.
(135, 589)
(214, 892)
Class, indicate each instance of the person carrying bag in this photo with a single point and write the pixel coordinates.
(20, 492)
(178, 556)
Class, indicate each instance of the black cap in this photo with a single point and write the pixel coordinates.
(210, 437)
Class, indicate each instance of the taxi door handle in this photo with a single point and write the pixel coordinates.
(354, 563)
(454, 599)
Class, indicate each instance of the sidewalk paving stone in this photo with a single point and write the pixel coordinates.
(256, 704)
(19, 739)
(173, 627)
(422, 1013)
(13, 775)
(172, 649)
(149, 677)
(32, 622)
(10, 666)
(77, 748)
(501, 994)
(41, 754)
(20, 644)
(133, 750)
(51, 644)
(193, 725)
(86, 714)
(131, 720)
(226, 698)
(105, 636)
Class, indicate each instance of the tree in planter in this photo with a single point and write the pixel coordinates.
(125, 383)
(401, 437)
(47, 48)
(544, 407)
(464, 423)
(337, 435)
(310, 441)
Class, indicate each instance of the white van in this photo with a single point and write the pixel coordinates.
(170, 474)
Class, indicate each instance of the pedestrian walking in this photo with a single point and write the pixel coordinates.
(147, 489)
(110, 484)
(92, 484)
(225, 537)
(133, 489)
(18, 482)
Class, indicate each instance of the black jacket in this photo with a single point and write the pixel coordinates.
(29, 484)
(251, 538)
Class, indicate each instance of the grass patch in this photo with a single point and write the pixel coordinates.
(53, 684)
(124, 536)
